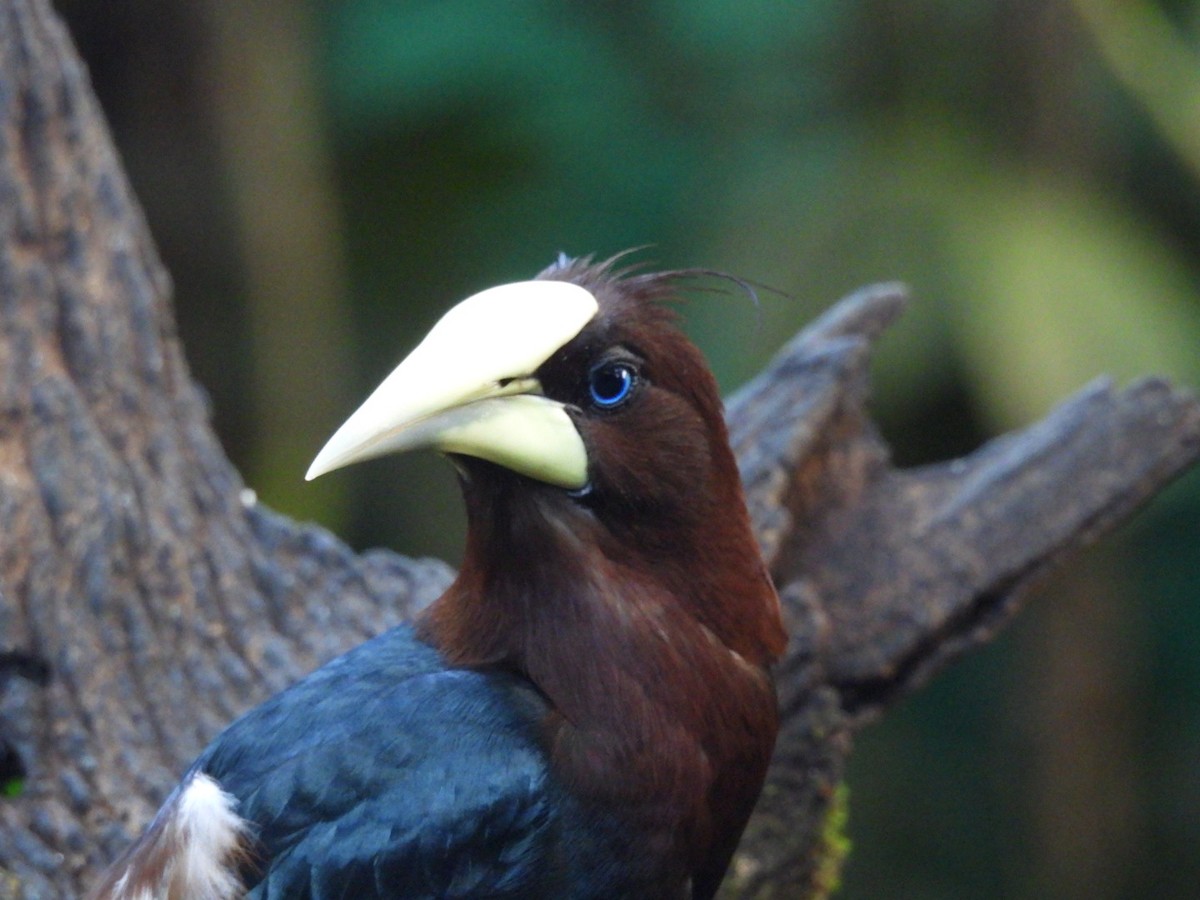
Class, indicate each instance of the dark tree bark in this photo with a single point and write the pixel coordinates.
(146, 598)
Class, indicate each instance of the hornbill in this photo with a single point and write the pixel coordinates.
(588, 710)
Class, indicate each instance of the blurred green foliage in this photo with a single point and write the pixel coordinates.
(1027, 167)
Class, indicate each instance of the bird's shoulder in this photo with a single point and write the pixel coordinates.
(386, 773)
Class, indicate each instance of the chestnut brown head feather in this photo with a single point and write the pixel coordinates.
(638, 605)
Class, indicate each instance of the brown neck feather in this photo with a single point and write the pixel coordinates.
(652, 654)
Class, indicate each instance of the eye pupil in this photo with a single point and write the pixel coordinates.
(611, 384)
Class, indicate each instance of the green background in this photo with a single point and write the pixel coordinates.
(322, 178)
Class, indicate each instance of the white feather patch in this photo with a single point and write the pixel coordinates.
(190, 852)
(211, 834)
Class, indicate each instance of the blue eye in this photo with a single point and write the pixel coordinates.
(611, 384)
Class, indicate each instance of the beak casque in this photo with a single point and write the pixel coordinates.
(469, 388)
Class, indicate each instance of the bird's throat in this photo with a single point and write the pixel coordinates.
(650, 711)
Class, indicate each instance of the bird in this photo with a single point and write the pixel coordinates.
(588, 711)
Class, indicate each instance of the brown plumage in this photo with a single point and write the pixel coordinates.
(642, 610)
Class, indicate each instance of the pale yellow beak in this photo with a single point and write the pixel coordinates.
(469, 388)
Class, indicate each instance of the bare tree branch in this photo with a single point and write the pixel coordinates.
(889, 575)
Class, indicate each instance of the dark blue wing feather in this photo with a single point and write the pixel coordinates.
(385, 774)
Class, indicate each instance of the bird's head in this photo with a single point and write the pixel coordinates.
(578, 379)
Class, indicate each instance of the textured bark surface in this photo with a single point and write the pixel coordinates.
(146, 599)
